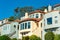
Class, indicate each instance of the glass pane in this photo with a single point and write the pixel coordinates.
(36, 15)
(28, 24)
(20, 26)
(25, 25)
(49, 20)
(5, 28)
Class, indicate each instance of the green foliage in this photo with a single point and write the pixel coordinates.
(25, 38)
(19, 12)
(16, 10)
(4, 37)
(14, 39)
(42, 8)
(49, 36)
(11, 18)
(57, 37)
(34, 37)
(26, 9)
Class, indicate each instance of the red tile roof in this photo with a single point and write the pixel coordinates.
(17, 20)
(56, 5)
(32, 19)
(37, 11)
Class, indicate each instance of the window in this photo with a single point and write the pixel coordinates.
(32, 16)
(18, 27)
(59, 12)
(49, 20)
(55, 16)
(14, 26)
(41, 24)
(41, 15)
(5, 28)
(28, 24)
(25, 25)
(36, 15)
(21, 26)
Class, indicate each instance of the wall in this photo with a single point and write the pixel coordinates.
(52, 14)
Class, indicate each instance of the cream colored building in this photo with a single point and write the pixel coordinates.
(31, 24)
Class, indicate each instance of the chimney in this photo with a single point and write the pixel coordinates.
(45, 10)
(26, 15)
(49, 8)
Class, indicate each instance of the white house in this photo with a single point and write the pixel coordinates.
(51, 22)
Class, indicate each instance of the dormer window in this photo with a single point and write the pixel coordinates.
(37, 15)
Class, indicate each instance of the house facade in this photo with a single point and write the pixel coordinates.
(35, 23)
(52, 21)
(31, 24)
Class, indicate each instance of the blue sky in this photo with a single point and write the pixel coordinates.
(7, 6)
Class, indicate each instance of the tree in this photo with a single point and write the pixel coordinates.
(16, 14)
(26, 9)
(4, 37)
(43, 8)
(25, 38)
(14, 39)
(49, 35)
(11, 18)
(57, 37)
(34, 37)
(19, 12)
